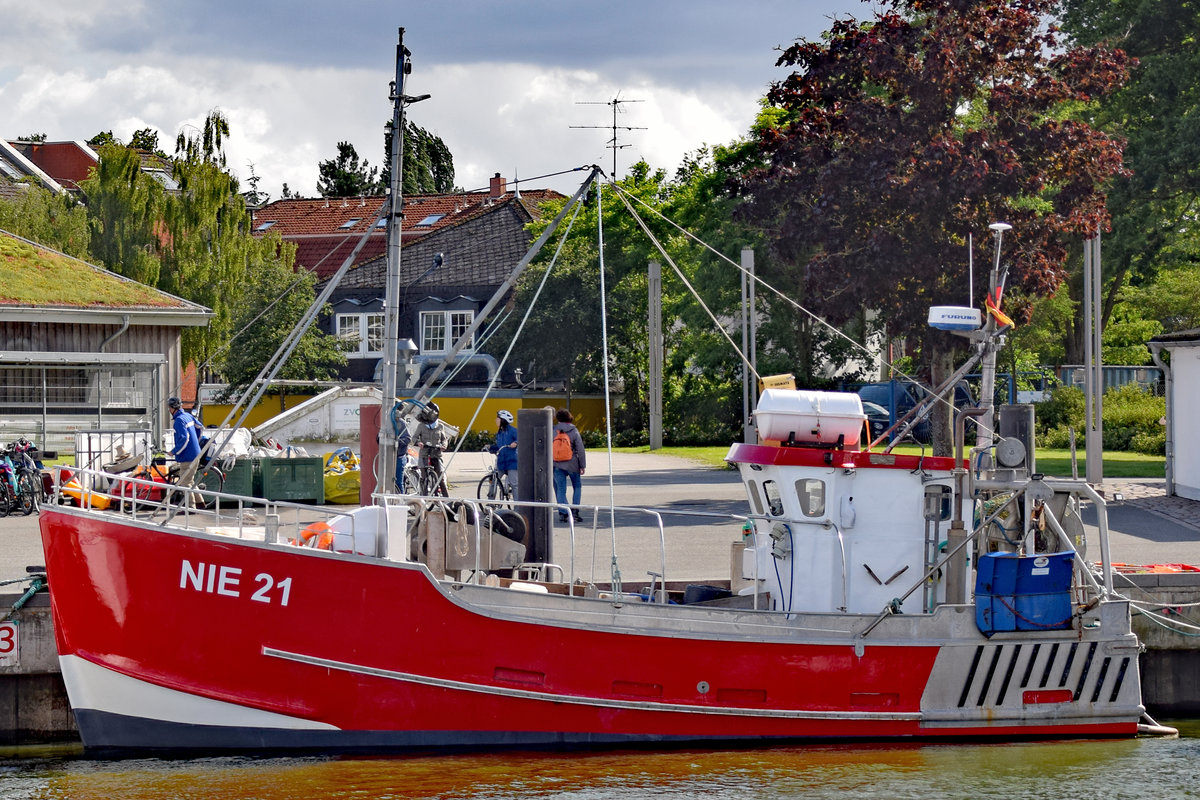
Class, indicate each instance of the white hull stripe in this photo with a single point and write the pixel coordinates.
(599, 702)
(96, 688)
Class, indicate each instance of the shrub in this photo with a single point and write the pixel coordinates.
(1131, 419)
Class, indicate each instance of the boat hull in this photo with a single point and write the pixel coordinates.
(177, 640)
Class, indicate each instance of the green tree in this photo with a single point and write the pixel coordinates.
(428, 163)
(1154, 212)
(54, 220)
(902, 135)
(346, 176)
(125, 210)
(146, 139)
(266, 312)
(211, 255)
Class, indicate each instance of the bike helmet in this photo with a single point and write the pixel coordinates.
(428, 414)
(174, 403)
(505, 415)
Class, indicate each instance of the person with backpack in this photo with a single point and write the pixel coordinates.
(570, 461)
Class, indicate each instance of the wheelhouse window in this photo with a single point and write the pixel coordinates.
(441, 329)
(811, 492)
(361, 334)
(774, 499)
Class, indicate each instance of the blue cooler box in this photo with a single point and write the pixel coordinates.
(1023, 593)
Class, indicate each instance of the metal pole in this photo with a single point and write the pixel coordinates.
(386, 468)
(748, 271)
(746, 431)
(656, 354)
(1095, 442)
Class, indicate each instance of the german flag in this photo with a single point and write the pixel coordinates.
(993, 308)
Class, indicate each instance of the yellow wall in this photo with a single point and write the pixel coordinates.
(268, 407)
(588, 410)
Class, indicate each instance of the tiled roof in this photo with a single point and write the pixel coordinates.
(68, 163)
(326, 230)
(479, 250)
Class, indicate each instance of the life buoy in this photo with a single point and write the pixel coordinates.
(317, 535)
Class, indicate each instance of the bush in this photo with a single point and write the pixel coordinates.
(1131, 419)
(1064, 408)
(1150, 444)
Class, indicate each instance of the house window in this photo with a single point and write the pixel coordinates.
(441, 329)
(361, 334)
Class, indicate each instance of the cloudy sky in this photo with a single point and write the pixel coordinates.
(508, 78)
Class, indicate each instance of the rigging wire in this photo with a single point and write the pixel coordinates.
(612, 502)
(758, 279)
(520, 327)
(662, 251)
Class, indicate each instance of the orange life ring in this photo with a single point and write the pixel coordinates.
(317, 535)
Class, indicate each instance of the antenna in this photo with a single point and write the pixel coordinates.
(616, 103)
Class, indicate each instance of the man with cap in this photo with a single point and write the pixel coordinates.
(187, 441)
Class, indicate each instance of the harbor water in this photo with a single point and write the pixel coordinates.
(1158, 768)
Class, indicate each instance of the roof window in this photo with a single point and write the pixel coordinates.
(265, 225)
(432, 218)
(350, 223)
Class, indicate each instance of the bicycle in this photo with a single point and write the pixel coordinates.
(494, 485)
(20, 483)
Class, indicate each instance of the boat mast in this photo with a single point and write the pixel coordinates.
(991, 343)
(386, 469)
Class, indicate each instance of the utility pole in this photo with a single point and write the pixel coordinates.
(613, 143)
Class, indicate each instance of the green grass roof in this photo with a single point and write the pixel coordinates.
(35, 276)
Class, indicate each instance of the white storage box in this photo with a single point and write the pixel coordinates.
(809, 417)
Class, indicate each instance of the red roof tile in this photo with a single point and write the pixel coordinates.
(326, 230)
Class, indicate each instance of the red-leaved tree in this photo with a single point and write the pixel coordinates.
(904, 133)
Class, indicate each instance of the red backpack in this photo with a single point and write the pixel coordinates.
(561, 447)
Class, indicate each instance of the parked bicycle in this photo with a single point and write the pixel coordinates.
(157, 480)
(20, 481)
(494, 485)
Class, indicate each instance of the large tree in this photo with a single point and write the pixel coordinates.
(346, 175)
(51, 219)
(1155, 242)
(265, 313)
(428, 163)
(903, 134)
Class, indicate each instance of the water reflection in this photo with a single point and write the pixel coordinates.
(1110, 769)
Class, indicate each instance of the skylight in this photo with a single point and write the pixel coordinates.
(162, 177)
(9, 170)
(265, 225)
(432, 218)
(382, 223)
(350, 223)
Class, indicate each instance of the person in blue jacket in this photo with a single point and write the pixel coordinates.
(187, 441)
(505, 448)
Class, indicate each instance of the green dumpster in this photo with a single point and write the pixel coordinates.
(238, 480)
(299, 479)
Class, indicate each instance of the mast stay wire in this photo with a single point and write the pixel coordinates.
(662, 251)
(517, 333)
(612, 502)
(758, 279)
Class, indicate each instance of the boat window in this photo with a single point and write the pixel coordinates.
(774, 499)
(811, 492)
(937, 503)
(755, 500)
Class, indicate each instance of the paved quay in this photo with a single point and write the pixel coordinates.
(1145, 526)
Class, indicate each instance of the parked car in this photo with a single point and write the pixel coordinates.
(908, 393)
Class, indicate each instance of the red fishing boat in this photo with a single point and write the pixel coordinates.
(870, 596)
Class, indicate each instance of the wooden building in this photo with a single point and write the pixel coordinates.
(83, 348)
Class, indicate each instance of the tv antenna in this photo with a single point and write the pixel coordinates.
(613, 143)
